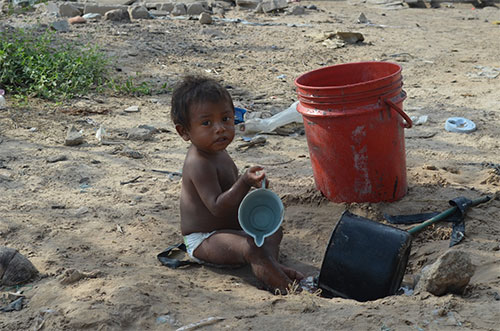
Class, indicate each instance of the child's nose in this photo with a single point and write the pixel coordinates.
(219, 127)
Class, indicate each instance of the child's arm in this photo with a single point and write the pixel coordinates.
(222, 203)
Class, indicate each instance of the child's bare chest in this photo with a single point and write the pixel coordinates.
(227, 173)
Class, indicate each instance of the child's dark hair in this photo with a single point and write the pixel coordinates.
(192, 90)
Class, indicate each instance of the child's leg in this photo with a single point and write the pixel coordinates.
(235, 247)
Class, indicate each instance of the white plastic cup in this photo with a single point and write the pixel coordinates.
(260, 214)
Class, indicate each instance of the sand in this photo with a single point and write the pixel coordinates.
(79, 214)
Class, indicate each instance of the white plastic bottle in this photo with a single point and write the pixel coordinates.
(3, 104)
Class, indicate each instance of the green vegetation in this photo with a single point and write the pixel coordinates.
(39, 65)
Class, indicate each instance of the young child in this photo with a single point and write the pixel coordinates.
(203, 113)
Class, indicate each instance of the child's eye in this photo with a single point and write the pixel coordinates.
(205, 123)
(227, 118)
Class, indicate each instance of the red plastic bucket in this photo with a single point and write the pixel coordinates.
(354, 124)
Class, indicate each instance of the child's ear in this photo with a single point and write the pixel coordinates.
(182, 131)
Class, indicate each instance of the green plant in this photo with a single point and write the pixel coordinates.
(37, 65)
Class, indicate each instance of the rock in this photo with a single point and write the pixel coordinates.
(252, 4)
(69, 10)
(132, 109)
(60, 26)
(128, 152)
(14, 267)
(350, 37)
(77, 20)
(168, 7)
(101, 9)
(117, 15)
(273, 5)
(195, 9)
(297, 10)
(205, 18)
(362, 19)
(73, 137)
(179, 9)
(219, 11)
(57, 158)
(415, 3)
(138, 12)
(139, 134)
(449, 274)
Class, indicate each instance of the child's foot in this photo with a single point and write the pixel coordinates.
(291, 273)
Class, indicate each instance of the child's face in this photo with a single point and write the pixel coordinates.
(211, 127)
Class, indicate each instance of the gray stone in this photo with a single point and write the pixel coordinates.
(89, 8)
(166, 7)
(138, 12)
(219, 11)
(73, 137)
(159, 13)
(195, 9)
(179, 9)
(415, 3)
(449, 274)
(252, 4)
(273, 5)
(56, 158)
(139, 134)
(60, 26)
(117, 15)
(132, 109)
(297, 10)
(14, 267)
(205, 18)
(69, 10)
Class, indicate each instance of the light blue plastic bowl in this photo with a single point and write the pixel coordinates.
(260, 214)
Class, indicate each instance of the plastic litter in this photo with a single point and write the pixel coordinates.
(460, 125)
(267, 125)
(239, 115)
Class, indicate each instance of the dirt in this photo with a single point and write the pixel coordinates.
(78, 217)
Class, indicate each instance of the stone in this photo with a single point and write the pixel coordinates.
(15, 268)
(274, 5)
(56, 158)
(451, 273)
(195, 9)
(117, 15)
(205, 18)
(132, 109)
(60, 26)
(73, 137)
(138, 12)
(139, 134)
(158, 13)
(297, 10)
(415, 3)
(251, 4)
(166, 7)
(77, 20)
(89, 8)
(69, 10)
(179, 10)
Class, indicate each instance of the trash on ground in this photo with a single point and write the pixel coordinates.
(267, 125)
(484, 72)
(203, 322)
(460, 125)
(15, 268)
(419, 120)
(255, 141)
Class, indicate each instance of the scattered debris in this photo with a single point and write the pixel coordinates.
(74, 137)
(203, 322)
(100, 134)
(71, 276)
(140, 134)
(77, 20)
(255, 141)
(15, 305)
(460, 125)
(133, 180)
(171, 174)
(484, 72)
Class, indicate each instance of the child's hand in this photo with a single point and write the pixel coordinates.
(254, 176)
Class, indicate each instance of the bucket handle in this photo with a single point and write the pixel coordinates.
(391, 102)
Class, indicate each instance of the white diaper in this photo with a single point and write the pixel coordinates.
(193, 240)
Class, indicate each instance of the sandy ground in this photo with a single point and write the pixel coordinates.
(77, 214)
